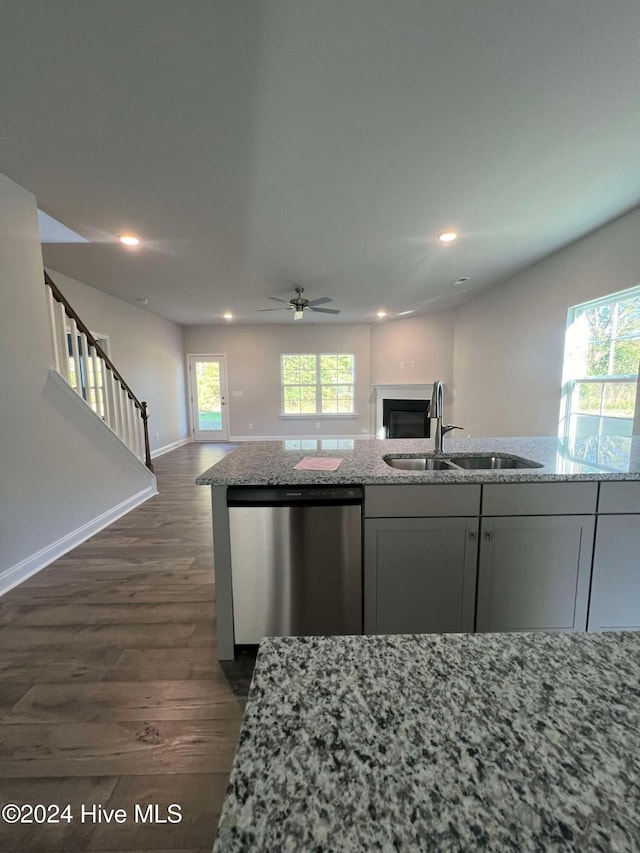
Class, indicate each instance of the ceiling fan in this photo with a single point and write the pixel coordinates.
(299, 305)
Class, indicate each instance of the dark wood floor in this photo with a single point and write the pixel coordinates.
(110, 689)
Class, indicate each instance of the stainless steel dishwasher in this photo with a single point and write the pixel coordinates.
(296, 561)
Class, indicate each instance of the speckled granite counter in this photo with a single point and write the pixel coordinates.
(270, 463)
(439, 742)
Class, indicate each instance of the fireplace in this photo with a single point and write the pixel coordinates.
(403, 392)
(405, 418)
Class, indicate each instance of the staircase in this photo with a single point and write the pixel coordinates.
(82, 362)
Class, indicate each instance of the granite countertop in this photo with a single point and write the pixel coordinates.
(524, 742)
(270, 463)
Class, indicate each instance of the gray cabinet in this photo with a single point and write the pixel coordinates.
(615, 591)
(420, 575)
(534, 573)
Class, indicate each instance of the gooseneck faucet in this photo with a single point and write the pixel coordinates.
(436, 412)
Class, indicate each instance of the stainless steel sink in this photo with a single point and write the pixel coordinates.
(478, 462)
(418, 463)
(496, 461)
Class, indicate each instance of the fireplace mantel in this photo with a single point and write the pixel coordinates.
(397, 392)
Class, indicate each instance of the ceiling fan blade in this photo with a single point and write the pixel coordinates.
(271, 309)
(320, 301)
(324, 310)
(277, 299)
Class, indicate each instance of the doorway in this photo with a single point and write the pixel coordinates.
(208, 389)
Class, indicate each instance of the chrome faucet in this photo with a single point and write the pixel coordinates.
(435, 413)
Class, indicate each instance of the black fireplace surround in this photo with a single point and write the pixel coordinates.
(406, 418)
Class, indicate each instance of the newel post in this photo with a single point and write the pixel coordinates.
(144, 411)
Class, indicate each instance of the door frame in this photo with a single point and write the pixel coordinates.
(193, 419)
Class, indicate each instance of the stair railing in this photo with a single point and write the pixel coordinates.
(80, 359)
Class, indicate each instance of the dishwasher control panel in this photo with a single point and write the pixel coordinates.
(274, 496)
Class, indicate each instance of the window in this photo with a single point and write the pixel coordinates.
(600, 376)
(318, 384)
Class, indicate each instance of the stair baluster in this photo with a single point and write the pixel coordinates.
(90, 371)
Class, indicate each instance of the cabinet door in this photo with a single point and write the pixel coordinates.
(420, 575)
(615, 589)
(534, 573)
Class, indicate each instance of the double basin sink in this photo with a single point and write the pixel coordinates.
(459, 462)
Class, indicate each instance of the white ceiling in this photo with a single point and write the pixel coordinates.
(255, 144)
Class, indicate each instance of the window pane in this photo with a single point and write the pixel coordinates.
(308, 400)
(308, 363)
(599, 321)
(345, 399)
(629, 316)
(292, 401)
(619, 399)
(626, 356)
(346, 366)
(586, 398)
(290, 369)
(598, 358)
(328, 369)
(329, 399)
(308, 375)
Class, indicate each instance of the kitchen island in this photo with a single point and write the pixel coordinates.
(439, 742)
(517, 548)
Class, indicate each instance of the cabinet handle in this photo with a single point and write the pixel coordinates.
(473, 535)
(488, 535)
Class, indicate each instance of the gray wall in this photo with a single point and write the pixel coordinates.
(56, 473)
(253, 367)
(147, 350)
(425, 341)
(509, 342)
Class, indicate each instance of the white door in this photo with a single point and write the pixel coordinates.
(208, 385)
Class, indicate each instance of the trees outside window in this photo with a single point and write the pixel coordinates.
(600, 377)
(318, 384)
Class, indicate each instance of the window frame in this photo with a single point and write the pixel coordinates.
(570, 383)
(318, 385)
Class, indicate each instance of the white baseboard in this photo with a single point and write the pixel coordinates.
(159, 451)
(235, 438)
(15, 575)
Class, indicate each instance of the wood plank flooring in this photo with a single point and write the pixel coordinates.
(111, 693)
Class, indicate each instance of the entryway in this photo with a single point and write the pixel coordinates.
(208, 388)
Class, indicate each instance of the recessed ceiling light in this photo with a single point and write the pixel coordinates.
(129, 239)
(382, 314)
(447, 236)
(228, 315)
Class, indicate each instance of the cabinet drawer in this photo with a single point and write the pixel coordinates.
(619, 497)
(415, 501)
(539, 498)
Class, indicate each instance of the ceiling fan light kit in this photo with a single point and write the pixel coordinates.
(299, 305)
